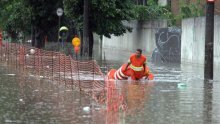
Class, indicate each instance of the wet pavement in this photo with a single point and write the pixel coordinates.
(177, 95)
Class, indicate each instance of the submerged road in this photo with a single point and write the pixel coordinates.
(178, 95)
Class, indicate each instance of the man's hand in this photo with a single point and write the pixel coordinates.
(127, 66)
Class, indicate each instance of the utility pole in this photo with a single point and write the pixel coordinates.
(59, 14)
(86, 28)
(209, 39)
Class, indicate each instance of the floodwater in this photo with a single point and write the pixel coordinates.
(177, 95)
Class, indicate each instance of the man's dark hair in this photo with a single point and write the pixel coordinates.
(139, 50)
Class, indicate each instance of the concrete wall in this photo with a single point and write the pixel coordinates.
(142, 36)
(217, 41)
(193, 41)
(162, 2)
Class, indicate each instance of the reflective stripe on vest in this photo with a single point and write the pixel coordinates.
(135, 68)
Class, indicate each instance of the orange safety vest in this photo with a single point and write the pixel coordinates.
(137, 63)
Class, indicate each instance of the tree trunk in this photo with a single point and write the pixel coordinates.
(14, 36)
(81, 47)
(86, 29)
(39, 43)
(32, 36)
(100, 46)
(91, 41)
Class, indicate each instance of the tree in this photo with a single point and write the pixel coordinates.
(14, 17)
(190, 9)
(43, 20)
(105, 17)
(36, 16)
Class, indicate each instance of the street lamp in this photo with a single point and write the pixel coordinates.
(59, 14)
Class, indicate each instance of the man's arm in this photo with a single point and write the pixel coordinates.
(127, 65)
(144, 65)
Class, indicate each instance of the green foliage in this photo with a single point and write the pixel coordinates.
(43, 13)
(190, 10)
(152, 2)
(105, 16)
(15, 17)
(152, 11)
(20, 15)
(73, 9)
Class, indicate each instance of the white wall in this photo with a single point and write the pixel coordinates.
(142, 36)
(217, 41)
(193, 41)
(162, 2)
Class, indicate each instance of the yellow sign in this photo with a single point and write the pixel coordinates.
(76, 41)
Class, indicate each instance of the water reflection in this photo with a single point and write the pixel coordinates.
(208, 102)
(126, 98)
(163, 101)
(26, 99)
(136, 94)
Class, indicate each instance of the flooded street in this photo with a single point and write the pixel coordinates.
(177, 95)
(33, 101)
